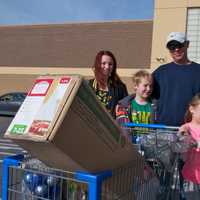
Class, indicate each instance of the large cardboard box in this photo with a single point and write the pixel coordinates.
(62, 123)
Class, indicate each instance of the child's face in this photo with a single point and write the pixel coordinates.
(144, 88)
(195, 110)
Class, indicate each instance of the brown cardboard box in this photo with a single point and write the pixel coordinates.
(81, 135)
(38, 114)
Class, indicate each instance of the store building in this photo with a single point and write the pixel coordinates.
(29, 50)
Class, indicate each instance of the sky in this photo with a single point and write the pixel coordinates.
(22, 12)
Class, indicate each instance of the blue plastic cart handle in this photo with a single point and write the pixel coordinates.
(95, 182)
(7, 163)
(158, 126)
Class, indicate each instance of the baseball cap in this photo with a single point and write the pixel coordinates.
(176, 36)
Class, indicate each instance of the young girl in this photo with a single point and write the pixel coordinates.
(191, 168)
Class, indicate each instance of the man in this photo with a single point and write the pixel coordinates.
(175, 83)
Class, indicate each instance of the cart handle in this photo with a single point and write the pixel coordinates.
(159, 126)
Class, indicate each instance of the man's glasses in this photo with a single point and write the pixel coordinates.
(175, 45)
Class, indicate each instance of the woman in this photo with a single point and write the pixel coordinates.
(107, 85)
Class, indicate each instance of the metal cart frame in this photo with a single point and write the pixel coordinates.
(94, 180)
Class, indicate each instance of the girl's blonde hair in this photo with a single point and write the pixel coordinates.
(194, 102)
(138, 76)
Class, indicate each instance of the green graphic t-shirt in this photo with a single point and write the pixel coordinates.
(140, 113)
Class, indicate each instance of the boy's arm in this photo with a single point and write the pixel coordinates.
(122, 110)
(121, 115)
(122, 118)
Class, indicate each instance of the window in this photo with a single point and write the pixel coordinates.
(193, 34)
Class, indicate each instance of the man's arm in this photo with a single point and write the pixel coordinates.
(156, 86)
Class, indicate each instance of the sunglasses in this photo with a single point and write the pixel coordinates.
(175, 45)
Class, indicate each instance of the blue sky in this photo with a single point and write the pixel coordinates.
(18, 12)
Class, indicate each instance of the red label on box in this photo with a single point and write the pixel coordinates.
(65, 80)
(40, 87)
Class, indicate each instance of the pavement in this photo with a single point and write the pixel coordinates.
(7, 147)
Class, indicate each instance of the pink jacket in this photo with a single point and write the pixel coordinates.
(191, 169)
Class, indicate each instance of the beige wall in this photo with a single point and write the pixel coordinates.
(193, 3)
(13, 83)
(123, 72)
(23, 82)
(17, 79)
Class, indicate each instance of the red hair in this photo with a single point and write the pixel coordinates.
(97, 69)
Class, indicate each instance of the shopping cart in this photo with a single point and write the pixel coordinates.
(158, 178)
(160, 146)
(163, 148)
(26, 178)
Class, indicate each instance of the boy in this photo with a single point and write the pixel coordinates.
(137, 108)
